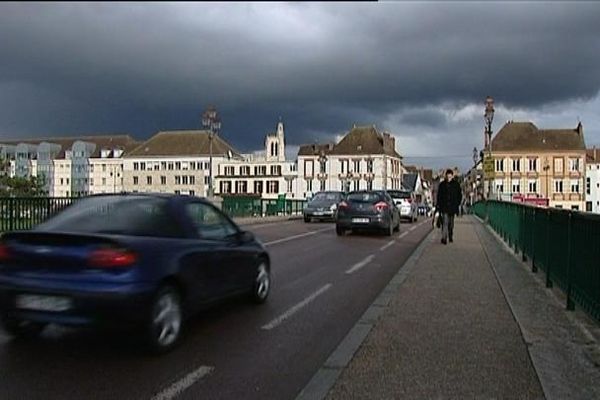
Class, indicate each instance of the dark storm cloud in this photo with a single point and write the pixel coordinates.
(142, 67)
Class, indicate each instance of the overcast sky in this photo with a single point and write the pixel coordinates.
(419, 70)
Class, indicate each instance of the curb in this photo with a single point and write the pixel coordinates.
(324, 379)
(264, 221)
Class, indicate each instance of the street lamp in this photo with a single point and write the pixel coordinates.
(489, 117)
(211, 122)
(546, 169)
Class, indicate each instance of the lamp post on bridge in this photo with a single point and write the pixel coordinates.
(489, 118)
(212, 123)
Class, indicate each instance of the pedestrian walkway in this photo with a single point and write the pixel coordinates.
(450, 333)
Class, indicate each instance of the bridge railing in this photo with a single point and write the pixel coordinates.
(565, 244)
(21, 213)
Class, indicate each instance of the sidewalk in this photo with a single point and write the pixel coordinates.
(248, 221)
(447, 333)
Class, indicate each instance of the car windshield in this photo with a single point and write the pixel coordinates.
(326, 197)
(364, 197)
(131, 215)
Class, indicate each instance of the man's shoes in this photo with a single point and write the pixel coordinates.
(451, 240)
(443, 241)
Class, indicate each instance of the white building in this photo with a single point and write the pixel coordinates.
(266, 174)
(364, 159)
(592, 181)
(176, 162)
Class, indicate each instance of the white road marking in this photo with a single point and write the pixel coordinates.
(412, 228)
(359, 265)
(277, 321)
(178, 387)
(287, 239)
(388, 244)
(253, 227)
(404, 234)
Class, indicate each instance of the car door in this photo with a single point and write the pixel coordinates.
(224, 266)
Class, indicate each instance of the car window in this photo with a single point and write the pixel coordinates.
(131, 215)
(326, 197)
(364, 197)
(209, 223)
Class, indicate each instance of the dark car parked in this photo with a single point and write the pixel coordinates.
(144, 261)
(367, 210)
(323, 206)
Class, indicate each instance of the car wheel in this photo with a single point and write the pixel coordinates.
(166, 322)
(339, 231)
(262, 284)
(19, 328)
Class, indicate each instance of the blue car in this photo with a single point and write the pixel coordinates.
(137, 261)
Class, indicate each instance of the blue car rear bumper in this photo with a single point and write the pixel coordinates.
(121, 304)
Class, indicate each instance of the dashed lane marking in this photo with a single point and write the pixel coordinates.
(360, 264)
(184, 383)
(387, 245)
(299, 236)
(277, 321)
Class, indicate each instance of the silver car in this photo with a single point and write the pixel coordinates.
(323, 206)
(406, 203)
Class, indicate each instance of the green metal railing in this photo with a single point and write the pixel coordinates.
(564, 244)
(20, 213)
(248, 206)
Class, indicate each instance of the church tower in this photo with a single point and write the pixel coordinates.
(275, 144)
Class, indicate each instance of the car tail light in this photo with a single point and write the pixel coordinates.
(112, 258)
(5, 253)
(382, 205)
(343, 204)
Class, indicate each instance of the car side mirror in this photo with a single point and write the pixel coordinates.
(245, 236)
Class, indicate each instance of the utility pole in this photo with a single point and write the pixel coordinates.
(212, 123)
(489, 117)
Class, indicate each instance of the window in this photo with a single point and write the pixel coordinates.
(177, 166)
(241, 186)
(499, 165)
(575, 208)
(229, 171)
(499, 185)
(104, 181)
(184, 166)
(170, 166)
(533, 164)
(356, 185)
(370, 183)
(345, 166)
(192, 193)
(192, 180)
(516, 165)
(558, 186)
(558, 165)
(588, 206)
(573, 164)
(209, 223)
(289, 186)
(163, 165)
(532, 186)
(142, 166)
(322, 166)
(135, 180)
(309, 185)
(92, 181)
(245, 170)
(273, 186)
(309, 168)
(574, 185)
(156, 166)
(276, 170)
(322, 185)
(184, 180)
(177, 180)
(258, 187)
(516, 186)
(149, 180)
(163, 180)
(588, 185)
(136, 166)
(225, 186)
(207, 180)
(356, 166)
(61, 181)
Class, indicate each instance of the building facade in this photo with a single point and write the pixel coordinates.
(176, 162)
(540, 163)
(592, 181)
(364, 159)
(266, 174)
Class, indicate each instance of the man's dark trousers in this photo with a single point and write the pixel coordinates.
(447, 226)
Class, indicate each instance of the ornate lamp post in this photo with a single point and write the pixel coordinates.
(489, 117)
(212, 123)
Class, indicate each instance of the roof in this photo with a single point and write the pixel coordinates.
(315, 149)
(366, 140)
(593, 155)
(411, 168)
(409, 181)
(526, 136)
(427, 175)
(122, 141)
(183, 143)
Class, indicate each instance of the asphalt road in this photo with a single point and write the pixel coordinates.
(322, 284)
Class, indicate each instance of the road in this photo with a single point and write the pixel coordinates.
(322, 284)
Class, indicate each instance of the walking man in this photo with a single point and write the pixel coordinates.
(448, 200)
